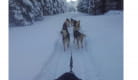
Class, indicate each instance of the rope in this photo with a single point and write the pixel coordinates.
(71, 62)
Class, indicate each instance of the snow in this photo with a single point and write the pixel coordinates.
(114, 12)
(36, 51)
(18, 15)
(28, 3)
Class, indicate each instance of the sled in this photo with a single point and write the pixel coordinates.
(68, 76)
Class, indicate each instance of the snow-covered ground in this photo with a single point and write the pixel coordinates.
(36, 51)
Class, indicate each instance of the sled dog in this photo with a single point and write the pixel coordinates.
(79, 37)
(66, 24)
(65, 38)
(75, 24)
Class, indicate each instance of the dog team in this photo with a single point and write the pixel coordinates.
(78, 36)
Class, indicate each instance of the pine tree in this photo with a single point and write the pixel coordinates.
(96, 7)
(25, 12)
(83, 6)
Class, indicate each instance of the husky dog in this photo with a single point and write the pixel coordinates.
(68, 22)
(79, 37)
(65, 33)
(65, 38)
(75, 24)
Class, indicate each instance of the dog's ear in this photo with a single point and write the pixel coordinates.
(67, 19)
(71, 19)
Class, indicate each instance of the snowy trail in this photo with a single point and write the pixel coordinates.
(59, 64)
(36, 51)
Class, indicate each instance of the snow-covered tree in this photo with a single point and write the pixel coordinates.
(25, 12)
(91, 6)
(99, 6)
(114, 4)
(83, 6)
(72, 6)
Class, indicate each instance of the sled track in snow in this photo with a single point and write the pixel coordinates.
(58, 58)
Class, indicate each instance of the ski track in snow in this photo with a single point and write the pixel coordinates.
(57, 61)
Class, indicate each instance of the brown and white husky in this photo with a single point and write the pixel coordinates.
(75, 24)
(79, 37)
